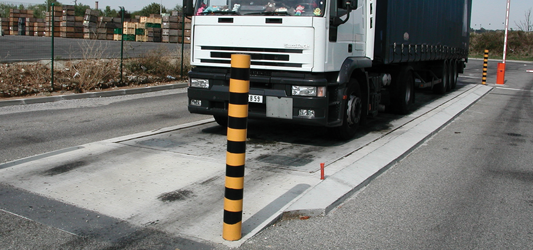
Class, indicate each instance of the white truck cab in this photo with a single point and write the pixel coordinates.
(325, 62)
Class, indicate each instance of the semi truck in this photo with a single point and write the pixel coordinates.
(329, 63)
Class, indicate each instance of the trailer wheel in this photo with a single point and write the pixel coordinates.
(221, 120)
(449, 78)
(404, 94)
(454, 75)
(442, 87)
(353, 112)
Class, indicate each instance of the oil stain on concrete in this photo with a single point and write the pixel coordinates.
(65, 168)
(178, 195)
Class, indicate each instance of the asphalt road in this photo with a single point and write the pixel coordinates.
(30, 48)
(27, 130)
(469, 187)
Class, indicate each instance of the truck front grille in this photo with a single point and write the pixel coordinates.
(259, 56)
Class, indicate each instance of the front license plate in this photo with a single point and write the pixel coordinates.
(255, 98)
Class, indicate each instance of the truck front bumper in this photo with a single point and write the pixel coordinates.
(276, 105)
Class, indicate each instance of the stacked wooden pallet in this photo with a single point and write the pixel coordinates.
(29, 21)
(106, 27)
(90, 21)
(34, 26)
(53, 18)
(174, 29)
(155, 28)
(71, 25)
(127, 32)
(170, 29)
(4, 25)
(152, 29)
(16, 24)
(140, 32)
(39, 27)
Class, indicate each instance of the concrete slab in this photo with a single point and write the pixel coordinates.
(358, 169)
(172, 179)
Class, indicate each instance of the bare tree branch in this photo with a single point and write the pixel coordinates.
(527, 23)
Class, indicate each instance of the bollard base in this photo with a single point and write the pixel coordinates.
(232, 232)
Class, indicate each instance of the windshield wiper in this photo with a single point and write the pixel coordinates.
(221, 12)
(269, 13)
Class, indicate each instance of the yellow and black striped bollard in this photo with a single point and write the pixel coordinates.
(235, 156)
(485, 64)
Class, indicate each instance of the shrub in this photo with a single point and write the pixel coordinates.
(91, 73)
(519, 44)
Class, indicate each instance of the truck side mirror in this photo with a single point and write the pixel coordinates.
(350, 4)
(188, 8)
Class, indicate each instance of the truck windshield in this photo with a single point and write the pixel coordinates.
(260, 7)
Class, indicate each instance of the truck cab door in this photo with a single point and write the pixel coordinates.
(347, 29)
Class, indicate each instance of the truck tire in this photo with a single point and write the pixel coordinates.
(404, 94)
(442, 87)
(449, 78)
(454, 75)
(221, 120)
(353, 112)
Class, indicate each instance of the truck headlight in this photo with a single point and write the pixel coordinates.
(199, 83)
(195, 102)
(309, 113)
(308, 91)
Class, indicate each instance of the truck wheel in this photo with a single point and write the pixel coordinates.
(454, 75)
(442, 87)
(449, 78)
(404, 94)
(353, 113)
(221, 120)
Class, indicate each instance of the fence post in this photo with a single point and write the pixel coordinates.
(182, 40)
(236, 150)
(485, 64)
(121, 44)
(52, 24)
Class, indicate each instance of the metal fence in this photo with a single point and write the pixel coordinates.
(65, 51)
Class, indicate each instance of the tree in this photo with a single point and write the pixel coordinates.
(39, 10)
(110, 12)
(153, 8)
(79, 9)
(49, 3)
(527, 24)
(4, 9)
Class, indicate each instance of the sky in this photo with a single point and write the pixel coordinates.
(489, 14)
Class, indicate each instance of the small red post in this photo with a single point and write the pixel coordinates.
(322, 171)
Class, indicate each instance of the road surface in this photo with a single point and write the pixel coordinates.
(30, 48)
(467, 187)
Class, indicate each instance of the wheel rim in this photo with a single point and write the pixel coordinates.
(353, 111)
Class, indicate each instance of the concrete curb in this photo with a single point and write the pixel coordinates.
(111, 93)
(360, 170)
